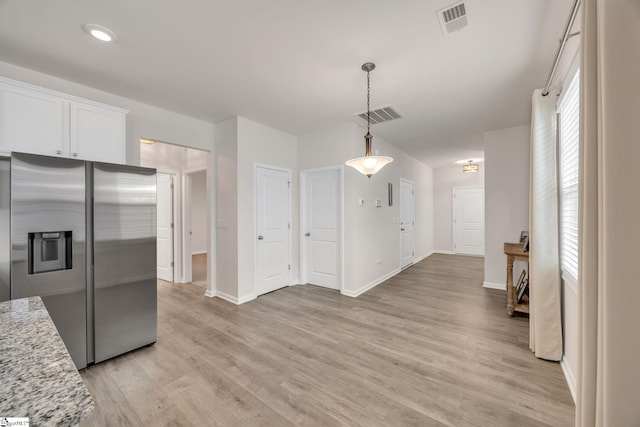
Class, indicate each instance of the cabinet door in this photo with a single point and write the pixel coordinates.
(97, 133)
(32, 121)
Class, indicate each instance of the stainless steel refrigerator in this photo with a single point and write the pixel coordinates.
(82, 237)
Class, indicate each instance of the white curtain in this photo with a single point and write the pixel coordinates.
(608, 389)
(545, 321)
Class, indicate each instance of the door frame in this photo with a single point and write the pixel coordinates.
(454, 234)
(303, 222)
(187, 270)
(255, 222)
(212, 233)
(413, 220)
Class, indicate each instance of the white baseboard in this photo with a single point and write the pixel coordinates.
(370, 285)
(247, 298)
(426, 255)
(210, 294)
(227, 297)
(490, 285)
(235, 300)
(444, 252)
(199, 253)
(569, 376)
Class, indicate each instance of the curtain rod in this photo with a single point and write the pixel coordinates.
(567, 35)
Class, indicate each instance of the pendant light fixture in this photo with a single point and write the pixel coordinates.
(470, 167)
(368, 165)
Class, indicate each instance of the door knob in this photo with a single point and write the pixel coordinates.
(307, 234)
(260, 237)
(402, 229)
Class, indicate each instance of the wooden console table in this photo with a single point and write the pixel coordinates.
(514, 252)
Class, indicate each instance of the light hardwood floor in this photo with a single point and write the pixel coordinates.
(429, 347)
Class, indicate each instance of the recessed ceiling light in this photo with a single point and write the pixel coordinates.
(99, 32)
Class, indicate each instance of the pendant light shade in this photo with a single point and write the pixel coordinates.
(368, 165)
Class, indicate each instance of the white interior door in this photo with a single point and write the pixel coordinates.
(321, 229)
(273, 207)
(407, 255)
(468, 220)
(165, 226)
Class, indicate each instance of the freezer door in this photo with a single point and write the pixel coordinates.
(124, 264)
(48, 228)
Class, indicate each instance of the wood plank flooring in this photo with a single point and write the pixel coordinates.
(429, 347)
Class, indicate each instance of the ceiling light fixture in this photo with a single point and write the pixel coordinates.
(99, 32)
(368, 165)
(470, 167)
(147, 141)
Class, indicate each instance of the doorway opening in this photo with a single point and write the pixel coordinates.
(184, 195)
(195, 221)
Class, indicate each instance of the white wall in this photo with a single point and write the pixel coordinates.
(444, 180)
(198, 212)
(619, 176)
(226, 134)
(166, 158)
(506, 193)
(194, 160)
(372, 235)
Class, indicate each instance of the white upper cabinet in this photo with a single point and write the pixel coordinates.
(93, 132)
(32, 121)
(41, 121)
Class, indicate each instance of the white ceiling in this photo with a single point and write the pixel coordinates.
(295, 65)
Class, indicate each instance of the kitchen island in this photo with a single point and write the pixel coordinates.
(38, 377)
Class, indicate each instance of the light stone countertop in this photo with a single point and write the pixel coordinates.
(38, 379)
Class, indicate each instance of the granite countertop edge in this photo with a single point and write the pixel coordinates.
(40, 380)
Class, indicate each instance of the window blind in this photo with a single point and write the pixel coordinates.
(569, 138)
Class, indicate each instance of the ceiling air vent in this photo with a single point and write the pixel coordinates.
(452, 18)
(381, 114)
